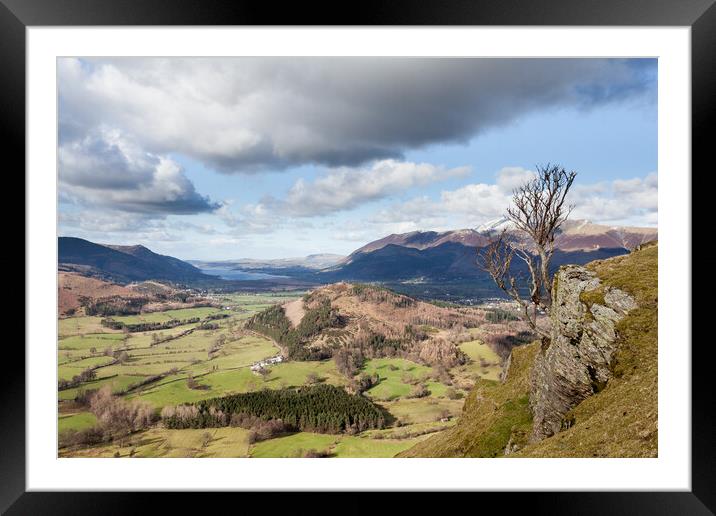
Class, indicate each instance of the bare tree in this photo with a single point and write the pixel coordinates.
(538, 210)
(264, 372)
(122, 357)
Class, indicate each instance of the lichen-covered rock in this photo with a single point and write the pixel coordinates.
(577, 363)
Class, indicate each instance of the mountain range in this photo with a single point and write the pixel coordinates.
(408, 261)
(574, 235)
(449, 257)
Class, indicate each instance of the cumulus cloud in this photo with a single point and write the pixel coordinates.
(250, 218)
(106, 169)
(509, 178)
(471, 202)
(620, 202)
(124, 121)
(248, 114)
(339, 189)
(90, 220)
(346, 188)
(624, 202)
(117, 227)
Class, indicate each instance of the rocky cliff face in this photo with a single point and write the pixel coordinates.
(578, 361)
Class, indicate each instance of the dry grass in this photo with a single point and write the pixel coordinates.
(294, 311)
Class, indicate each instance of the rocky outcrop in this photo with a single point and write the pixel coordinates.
(578, 360)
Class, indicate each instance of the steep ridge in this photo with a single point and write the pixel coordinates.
(425, 240)
(592, 392)
(122, 263)
(584, 235)
(574, 235)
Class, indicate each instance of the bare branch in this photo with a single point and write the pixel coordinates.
(538, 211)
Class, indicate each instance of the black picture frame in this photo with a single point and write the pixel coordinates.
(700, 15)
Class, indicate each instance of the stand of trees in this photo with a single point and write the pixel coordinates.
(497, 315)
(273, 323)
(319, 408)
(113, 306)
(380, 294)
(85, 376)
(147, 326)
(260, 429)
(116, 418)
(161, 338)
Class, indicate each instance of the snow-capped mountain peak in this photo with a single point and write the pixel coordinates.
(495, 225)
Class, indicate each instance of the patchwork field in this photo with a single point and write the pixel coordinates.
(82, 326)
(189, 363)
(78, 421)
(118, 383)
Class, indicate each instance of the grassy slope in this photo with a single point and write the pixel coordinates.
(340, 446)
(78, 421)
(620, 421)
(422, 410)
(478, 352)
(391, 384)
(493, 412)
(160, 442)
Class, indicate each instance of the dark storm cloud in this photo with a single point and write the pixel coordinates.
(241, 115)
(106, 169)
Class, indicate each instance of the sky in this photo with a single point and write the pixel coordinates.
(226, 158)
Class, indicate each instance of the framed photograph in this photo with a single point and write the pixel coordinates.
(444, 248)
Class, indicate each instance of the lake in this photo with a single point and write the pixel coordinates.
(237, 274)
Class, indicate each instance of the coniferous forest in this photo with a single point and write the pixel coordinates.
(320, 408)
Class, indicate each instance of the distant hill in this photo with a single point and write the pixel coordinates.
(376, 320)
(582, 235)
(72, 288)
(424, 240)
(123, 264)
(448, 261)
(429, 257)
(310, 262)
(424, 264)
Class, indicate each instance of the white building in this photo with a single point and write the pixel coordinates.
(269, 361)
